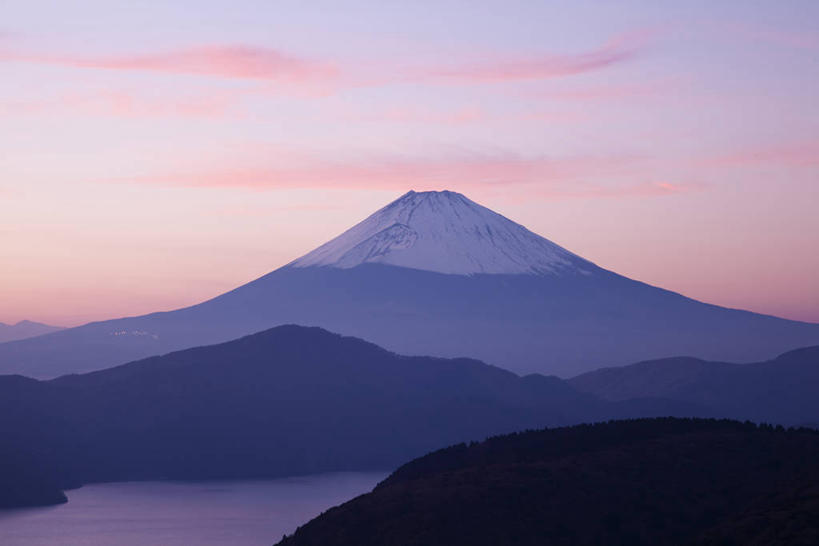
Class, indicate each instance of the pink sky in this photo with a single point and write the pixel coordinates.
(157, 154)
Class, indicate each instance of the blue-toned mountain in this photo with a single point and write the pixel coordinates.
(435, 273)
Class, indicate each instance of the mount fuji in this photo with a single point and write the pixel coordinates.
(444, 232)
(434, 273)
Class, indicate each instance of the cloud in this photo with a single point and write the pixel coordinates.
(224, 61)
(800, 154)
(118, 103)
(609, 92)
(464, 115)
(267, 64)
(421, 114)
(760, 33)
(391, 173)
(265, 211)
(616, 50)
(538, 177)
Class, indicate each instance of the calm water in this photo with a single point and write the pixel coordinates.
(173, 513)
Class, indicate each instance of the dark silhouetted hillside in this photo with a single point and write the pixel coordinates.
(26, 480)
(652, 481)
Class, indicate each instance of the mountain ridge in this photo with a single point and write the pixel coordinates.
(781, 389)
(559, 321)
(25, 329)
(287, 401)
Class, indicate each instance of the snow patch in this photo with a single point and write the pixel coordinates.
(447, 233)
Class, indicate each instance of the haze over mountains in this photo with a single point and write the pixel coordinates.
(434, 273)
(287, 401)
(782, 390)
(24, 329)
(295, 400)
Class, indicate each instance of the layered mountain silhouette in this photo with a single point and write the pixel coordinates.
(435, 273)
(287, 401)
(296, 400)
(24, 329)
(782, 390)
(653, 481)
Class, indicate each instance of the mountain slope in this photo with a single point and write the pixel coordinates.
(781, 390)
(444, 232)
(660, 481)
(518, 301)
(287, 401)
(24, 329)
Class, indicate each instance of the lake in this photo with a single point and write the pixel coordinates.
(182, 513)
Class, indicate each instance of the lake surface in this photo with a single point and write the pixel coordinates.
(182, 513)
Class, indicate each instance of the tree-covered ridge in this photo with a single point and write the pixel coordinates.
(649, 481)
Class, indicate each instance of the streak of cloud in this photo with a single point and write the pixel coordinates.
(546, 178)
(224, 61)
(617, 50)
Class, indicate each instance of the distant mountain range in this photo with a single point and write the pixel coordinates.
(287, 401)
(24, 329)
(296, 400)
(653, 481)
(782, 390)
(434, 273)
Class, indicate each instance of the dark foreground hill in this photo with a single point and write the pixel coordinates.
(26, 480)
(651, 481)
(783, 390)
(287, 401)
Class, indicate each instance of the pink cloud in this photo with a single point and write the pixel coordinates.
(801, 154)
(225, 61)
(772, 35)
(421, 114)
(263, 211)
(543, 177)
(127, 104)
(271, 65)
(616, 50)
(611, 91)
(462, 116)
(393, 173)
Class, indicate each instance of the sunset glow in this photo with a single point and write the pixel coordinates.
(155, 158)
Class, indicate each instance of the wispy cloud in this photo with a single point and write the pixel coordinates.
(268, 64)
(263, 211)
(421, 114)
(540, 177)
(224, 61)
(772, 35)
(464, 115)
(609, 92)
(616, 50)
(799, 154)
(126, 104)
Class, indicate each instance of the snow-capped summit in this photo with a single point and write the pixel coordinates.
(445, 232)
(543, 316)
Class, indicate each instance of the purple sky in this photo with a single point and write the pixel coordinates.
(158, 153)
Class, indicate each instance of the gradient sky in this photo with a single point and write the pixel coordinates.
(155, 154)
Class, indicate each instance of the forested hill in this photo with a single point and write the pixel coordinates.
(649, 481)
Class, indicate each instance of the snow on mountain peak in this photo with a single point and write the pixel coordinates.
(445, 232)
